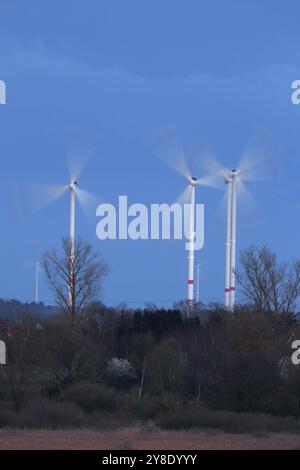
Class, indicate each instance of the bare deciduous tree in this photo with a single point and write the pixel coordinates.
(270, 285)
(75, 278)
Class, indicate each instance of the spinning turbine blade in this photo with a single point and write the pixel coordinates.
(220, 212)
(210, 182)
(249, 162)
(88, 202)
(252, 166)
(172, 153)
(246, 199)
(40, 196)
(185, 196)
(180, 165)
(213, 167)
(246, 202)
(79, 154)
(248, 170)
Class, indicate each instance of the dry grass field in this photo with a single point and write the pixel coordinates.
(135, 438)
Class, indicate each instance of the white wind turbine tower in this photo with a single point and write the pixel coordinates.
(198, 268)
(191, 258)
(230, 244)
(190, 193)
(73, 186)
(234, 179)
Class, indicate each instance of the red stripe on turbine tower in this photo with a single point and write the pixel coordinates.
(190, 281)
(232, 289)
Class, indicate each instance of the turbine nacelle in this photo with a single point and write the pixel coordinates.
(230, 175)
(73, 185)
(192, 180)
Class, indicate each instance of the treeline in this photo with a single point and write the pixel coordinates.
(90, 365)
(125, 365)
(12, 310)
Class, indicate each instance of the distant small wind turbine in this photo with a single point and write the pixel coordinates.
(37, 275)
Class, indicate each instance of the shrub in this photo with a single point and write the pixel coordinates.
(51, 415)
(228, 421)
(169, 368)
(120, 373)
(108, 422)
(151, 406)
(148, 428)
(7, 418)
(92, 397)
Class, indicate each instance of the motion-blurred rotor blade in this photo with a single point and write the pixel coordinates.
(211, 182)
(38, 197)
(247, 206)
(185, 196)
(180, 165)
(219, 214)
(212, 166)
(248, 168)
(252, 166)
(178, 162)
(196, 153)
(79, 153)
(246, 200)
(172, 153)
(88, 202)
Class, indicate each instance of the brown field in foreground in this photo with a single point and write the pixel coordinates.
(134, 439)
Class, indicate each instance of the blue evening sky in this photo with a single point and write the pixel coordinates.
(120, 73)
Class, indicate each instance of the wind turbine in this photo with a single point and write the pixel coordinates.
(234, 179)
(178, 161)
(44, 195)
